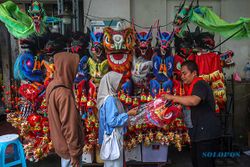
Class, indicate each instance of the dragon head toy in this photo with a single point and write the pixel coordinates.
(37, 13)
(118, 45)
(184, 44)
(182, 16)
(163, 61)
(183, 51)
(33, 44)
(96, 49)
(79, 43)
(227, 58)
(163, 41)
(83, 70)
(140, 70)
(28, 45)
(55, 43)
(143, 42)
(27, 68)
(204, 40)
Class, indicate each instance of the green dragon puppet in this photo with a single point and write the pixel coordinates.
(22, 25)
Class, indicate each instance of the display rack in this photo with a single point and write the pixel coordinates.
(227, 118)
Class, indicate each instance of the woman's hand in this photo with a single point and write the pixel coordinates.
(133, 111)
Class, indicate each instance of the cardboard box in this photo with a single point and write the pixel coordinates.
(154, 153)
(134, 154)
(97, 156)
(88, 157)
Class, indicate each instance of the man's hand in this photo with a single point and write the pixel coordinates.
(133, 111)
(167, 97)
(75, 161)
(192, 100)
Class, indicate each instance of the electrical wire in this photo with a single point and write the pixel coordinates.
(90, 17)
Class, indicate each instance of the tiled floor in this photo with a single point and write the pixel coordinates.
(5, 127)
(176, 159)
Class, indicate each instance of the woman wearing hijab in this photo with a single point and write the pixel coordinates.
(111, 113)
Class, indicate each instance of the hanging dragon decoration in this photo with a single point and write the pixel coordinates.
(98, 63)
(91, 70)
(22, 25)
(119, 48)
(207, 19)
(142, 66)
(184, 47)
(79, 43)
(141, 75)
(143, 44)
(119, 45)
(55, 42)
(25, 68)
(162, 64)
(37, 13)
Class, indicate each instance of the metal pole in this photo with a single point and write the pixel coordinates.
(77, 16)
(74, 15)
(62, 10)
(58, 13)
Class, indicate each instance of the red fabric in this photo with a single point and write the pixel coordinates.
(191, 86)
(178, 60)
(178, 88)
(208, 63)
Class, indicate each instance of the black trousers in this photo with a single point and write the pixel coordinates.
(199, 149)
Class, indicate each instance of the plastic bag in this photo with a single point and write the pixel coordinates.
(110, 148)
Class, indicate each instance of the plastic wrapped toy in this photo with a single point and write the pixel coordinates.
(158, 112)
